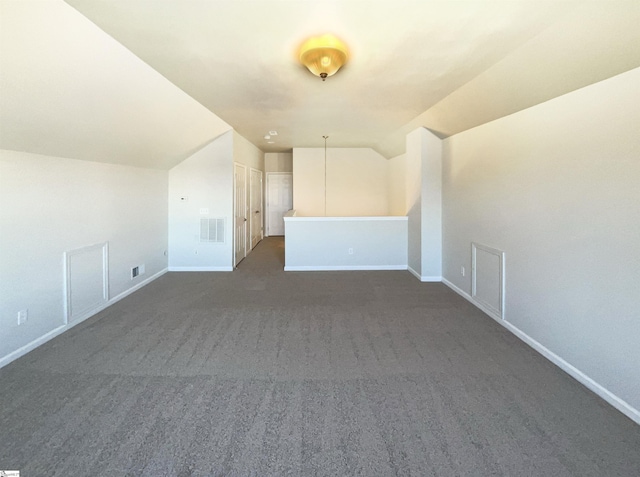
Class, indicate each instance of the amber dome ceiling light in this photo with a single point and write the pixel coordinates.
(323, 55)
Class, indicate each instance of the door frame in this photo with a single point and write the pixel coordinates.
(251, 171)
(235, 215)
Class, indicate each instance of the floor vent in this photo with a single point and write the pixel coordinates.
(212, 230)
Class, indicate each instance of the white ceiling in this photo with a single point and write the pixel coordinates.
(76, 90)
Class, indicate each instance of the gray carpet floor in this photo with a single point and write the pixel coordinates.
(262, 372)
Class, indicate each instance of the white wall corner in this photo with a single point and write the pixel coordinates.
(424, 202)
(431, 210)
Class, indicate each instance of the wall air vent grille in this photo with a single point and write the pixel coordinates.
(212, 230)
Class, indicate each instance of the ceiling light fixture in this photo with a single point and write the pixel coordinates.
(323, 55)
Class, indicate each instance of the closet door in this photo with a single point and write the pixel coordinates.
(279, 200)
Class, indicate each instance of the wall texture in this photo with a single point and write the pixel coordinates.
(556, 187)
(346, 243)
(51, 205)
(357, 182)
(202, 187)
(278, 162)
(396, 185)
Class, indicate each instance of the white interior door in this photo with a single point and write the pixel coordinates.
(279, 200)
(255, 188)
(240, 213)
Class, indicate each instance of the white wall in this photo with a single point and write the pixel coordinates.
(413, 198)
(346, 243)
(244, 152)
(431, 207)
(49, 205)
(423, 189)
(206, 180)
(557, 188)
(278, 162)
(357, 182)
(396, 185)
(308, 182)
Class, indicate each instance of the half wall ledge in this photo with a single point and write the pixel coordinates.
(345, 243)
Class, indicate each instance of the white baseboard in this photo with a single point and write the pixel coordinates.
(414, 273)
(459, 291)
(201, 269)
(33, 345)
(468, 297)
(621, 405)
(61, 329)
(324, 268)
(424, 278)
(129, 291)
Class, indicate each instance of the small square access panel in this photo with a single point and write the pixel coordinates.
(487, 280)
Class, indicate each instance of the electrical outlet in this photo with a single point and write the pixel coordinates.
(350, 251)
(463, 272)
(23, 315)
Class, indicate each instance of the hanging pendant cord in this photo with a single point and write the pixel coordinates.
(325, 174)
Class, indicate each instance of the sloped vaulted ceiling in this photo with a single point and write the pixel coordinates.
(445, 65)
(68, 89)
